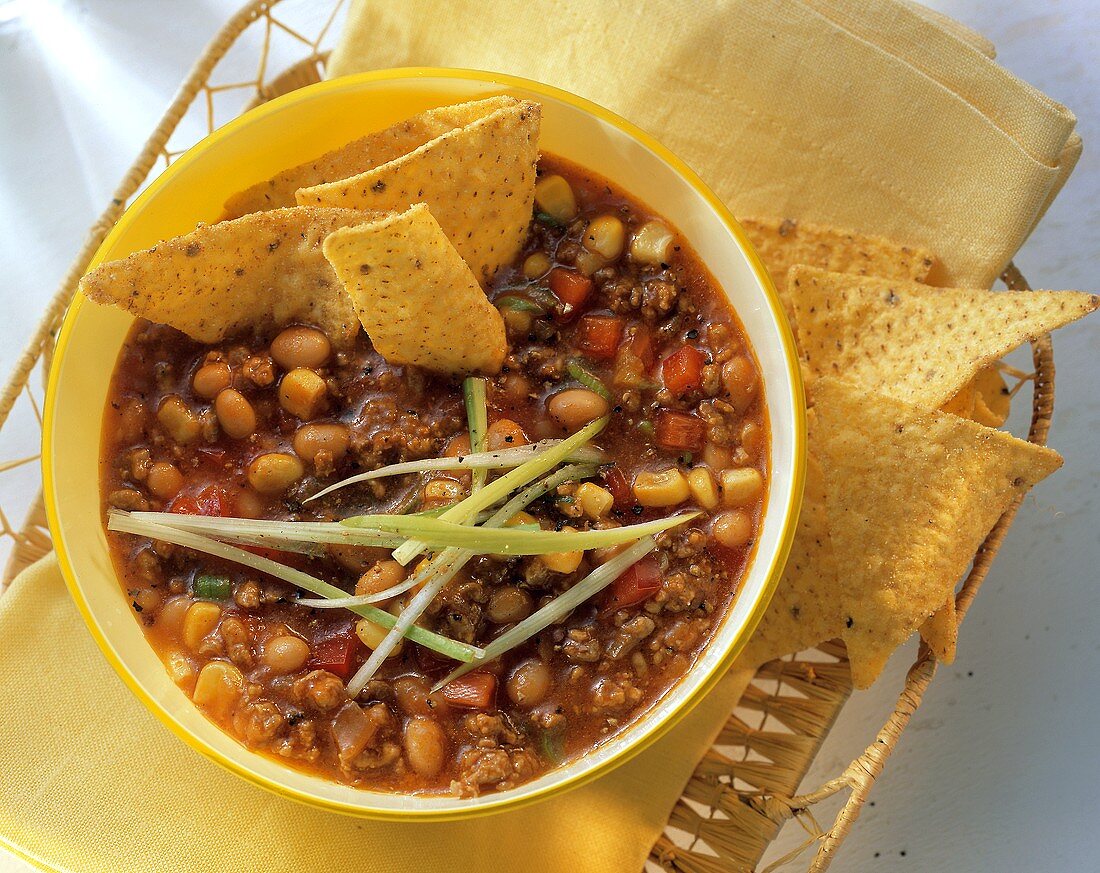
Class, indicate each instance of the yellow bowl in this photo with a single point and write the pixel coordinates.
(289, 131)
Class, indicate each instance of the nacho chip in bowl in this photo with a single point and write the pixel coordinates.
(416, 297)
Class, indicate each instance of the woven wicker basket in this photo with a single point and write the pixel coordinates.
(744, 788)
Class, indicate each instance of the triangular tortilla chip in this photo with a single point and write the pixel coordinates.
(417, 299)
(941, 632)
(992, 399)
(804, 609)
(910, 495)
(962, 404)
(255, 272)
(986, 400)
(783, 242)
(359, 156)
(478, 181)
(915, 342)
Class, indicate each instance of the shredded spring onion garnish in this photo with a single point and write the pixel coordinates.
(502, 459)
(506, 484)
(126, 523)
(521, 501)
(559, 607)
(579, 370)
(477, 419)
(380, 530)
(453, 560)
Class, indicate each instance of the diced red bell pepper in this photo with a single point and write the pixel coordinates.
(679, 431)
(640, 345)
(211, 500)
(619, 486)
(336, 653)
(637, 584)
(683, 371)
(600, 335)
(475, 690)
(570, 287)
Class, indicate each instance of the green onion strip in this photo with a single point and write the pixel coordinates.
(126, 523)
(477, 418)
(517, 503)
(559, 607)
(501, 459)
(580, 371)
(385, 530)
(506, 484)
(454, 559)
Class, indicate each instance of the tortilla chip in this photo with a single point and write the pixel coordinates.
(910, 495)
(992, 399)
(255, 272)
(941, 632)
(417, 299)
(803, 611)
(360, 156)
(962, 404)
(915, 342)
(478, 181)
(782, 243)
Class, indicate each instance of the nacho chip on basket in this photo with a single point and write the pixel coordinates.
(941, 631)
(910, 494)
(992, 399)
(360, 155)
(805, 609)
(416, 297)
(986, 400)
(257, 271)
(913, 341)
(783, 242)
(478, 181)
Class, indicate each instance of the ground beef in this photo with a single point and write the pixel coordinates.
(500, 769)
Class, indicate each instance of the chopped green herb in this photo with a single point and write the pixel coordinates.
(209, 587)
(552, 741)
(521, 304)
(546, 218)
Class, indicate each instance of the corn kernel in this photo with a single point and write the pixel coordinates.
(371, 635)
(201, 618)
(554, 196)
(218, 688)
(701, 483)
(563, 562)
(594, 501)
(652, 244)
(521, 517)
(536, 265)
(741, 486)
(605, 236)
(665, 488)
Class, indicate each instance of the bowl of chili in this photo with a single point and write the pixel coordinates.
(612, 169)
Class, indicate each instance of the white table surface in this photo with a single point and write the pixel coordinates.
(999, 768)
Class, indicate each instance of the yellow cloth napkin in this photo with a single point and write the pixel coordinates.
(867, 114)
(91, 781)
